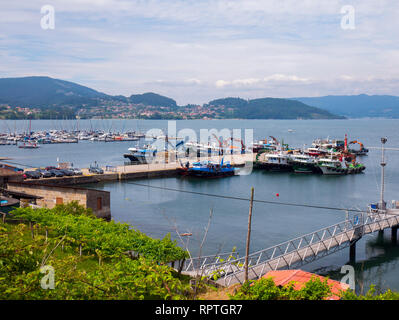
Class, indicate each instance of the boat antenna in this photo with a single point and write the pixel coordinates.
(383, 164)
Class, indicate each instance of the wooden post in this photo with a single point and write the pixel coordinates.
(248, 234)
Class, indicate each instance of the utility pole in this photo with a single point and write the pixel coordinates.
(249, 233)
(382, 205)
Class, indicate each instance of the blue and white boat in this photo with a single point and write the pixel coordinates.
(208, 169)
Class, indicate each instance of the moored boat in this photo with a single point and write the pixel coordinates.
(29, 145)
(302, 163)
(330, 166)
(355, 167)
(143, 155)
(207, 169)
(274, 161)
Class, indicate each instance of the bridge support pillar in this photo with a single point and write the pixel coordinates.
(352, 252)
(380, 236)
(394, 234)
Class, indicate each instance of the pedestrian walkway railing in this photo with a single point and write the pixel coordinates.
(298, 251)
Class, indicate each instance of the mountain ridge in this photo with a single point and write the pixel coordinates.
(46, 93)
(356, 106)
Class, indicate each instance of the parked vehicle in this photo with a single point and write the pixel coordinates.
(96, 170)
(56, 173)
(32, 175)
(67, 172)
(44, 173)
(76, 171)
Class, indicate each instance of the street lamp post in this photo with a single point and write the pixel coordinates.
(383, 164)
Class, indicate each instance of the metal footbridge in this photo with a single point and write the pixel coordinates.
(228, 268)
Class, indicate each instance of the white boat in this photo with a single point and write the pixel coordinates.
(274, 161)
(330, 166)
(200, 149)
(328, 143)
(29, 146)
(143, 155)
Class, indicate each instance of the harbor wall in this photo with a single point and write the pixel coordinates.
(74, 180)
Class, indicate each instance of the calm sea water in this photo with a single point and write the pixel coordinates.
(158, 212)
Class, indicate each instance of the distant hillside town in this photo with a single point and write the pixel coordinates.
(48, 98)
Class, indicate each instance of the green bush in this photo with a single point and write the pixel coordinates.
(78, 277)
(265, 289)
(108, 239)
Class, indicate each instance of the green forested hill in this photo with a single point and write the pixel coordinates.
(152, 99)
(45, 92)
(271, 108)
(357, 106)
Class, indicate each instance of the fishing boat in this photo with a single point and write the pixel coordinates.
(201, 149)
(274, 161)
(359, 152)
(355, 167)
(328, 144)
(331, 166)
(207, 169)
(265, 145)
(302, 163)
(315, 152)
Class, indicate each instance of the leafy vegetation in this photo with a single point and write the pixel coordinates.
(314, 289)
(371, 295)
(75, 276)
(265, 289)
(106, 239)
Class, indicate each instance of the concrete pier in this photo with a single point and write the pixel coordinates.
(159, 168)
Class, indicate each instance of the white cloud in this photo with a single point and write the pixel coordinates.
(194, 51)
(281, 78)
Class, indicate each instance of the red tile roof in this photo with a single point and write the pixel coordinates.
(299, 277)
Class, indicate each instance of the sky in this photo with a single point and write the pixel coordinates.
(196, 51)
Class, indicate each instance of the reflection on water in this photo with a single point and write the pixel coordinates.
(379, 268)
